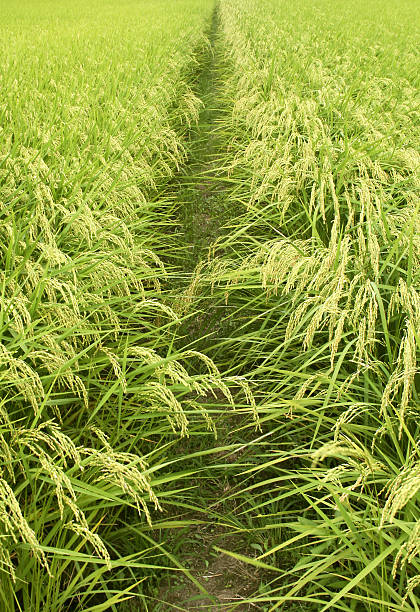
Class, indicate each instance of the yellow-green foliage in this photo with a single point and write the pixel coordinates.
(318, 272)
(95, 102)
(324, 154)
(93, 96)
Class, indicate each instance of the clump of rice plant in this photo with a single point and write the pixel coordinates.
(320, 272)
(95, 106)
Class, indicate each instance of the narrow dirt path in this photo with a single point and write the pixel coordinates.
(201, 197)
(201, 188)
(201, 193)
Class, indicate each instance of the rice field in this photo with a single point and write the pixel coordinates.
(209, 305)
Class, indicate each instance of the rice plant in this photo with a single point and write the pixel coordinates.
(321, 274)
(95, 106)
(110, 405)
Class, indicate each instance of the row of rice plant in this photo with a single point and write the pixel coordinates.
(321, 273)
(95, 104)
